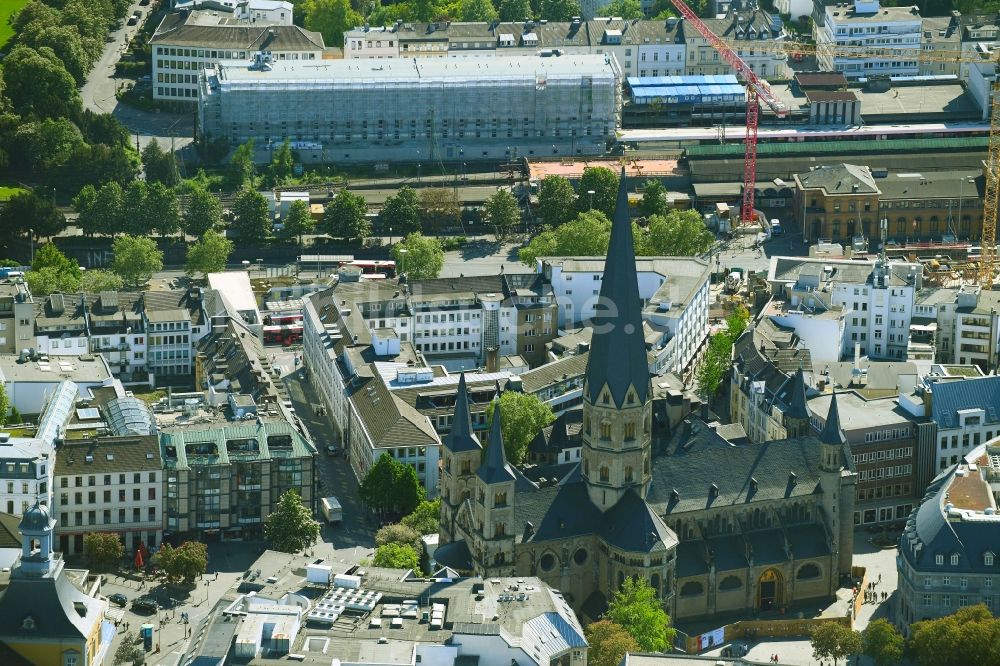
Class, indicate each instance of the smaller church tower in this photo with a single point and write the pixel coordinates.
(838, 483)
(796, 418)
(461, 456)
(494, 506)
(832, 440)
(36, 543)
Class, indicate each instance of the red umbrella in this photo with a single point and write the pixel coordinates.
(143, 549)
(138, 559)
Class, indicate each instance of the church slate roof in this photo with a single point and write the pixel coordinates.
(617, 348)
(629, 524)
(832, 434)
(495, 468)
(796, 394)
(557, 512)
(700, 459)
(462, 437)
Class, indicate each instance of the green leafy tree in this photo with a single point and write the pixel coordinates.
(208, 254)
(5, 408)
(560, 10)
(241, 165)
(834, 641)
(556, 201)
(97, 280)
(162, 209)
(882, 643)
(282, 163)
(714, 364)
(627, 9)
(105, 213)
(397, 556)
(203, 212)
(419, 256)
(36, 82)
(298, 221)
(136, 259)
(184, 563)
(344, 216)
(28, 210)
(679, 233)
(424, 10)
(66, 42)
(397, 533)
(588, 235)
(737, 322)
(332, 18)
(160, 165)
(636, 609)
(104, 550)
(609, 642)
(291, 528)
(52, 271)
(477, 11)
(251, 219)
(391, 485)
(129, 652)
(502, 213)
(439, 207)
(515, 10)
(654, 196)
(604, 184)
(426, 517)
(401, 212)
(524, 415)
(136, 217)
(969, 636)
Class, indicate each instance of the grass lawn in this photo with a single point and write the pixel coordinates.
(8, 191)
(19, 432)
(8, 7)
(149, 397)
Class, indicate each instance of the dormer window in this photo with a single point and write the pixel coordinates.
(28, 624)
(954, 559)
(939, 559)
(988, 559)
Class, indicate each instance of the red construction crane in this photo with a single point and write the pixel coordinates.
(757, 90)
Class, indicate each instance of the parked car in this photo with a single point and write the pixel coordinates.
(118, 599)
(145, 605)
(333, 450)
(132, 20)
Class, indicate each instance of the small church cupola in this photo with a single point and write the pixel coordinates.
(36, 541)
(832, 439)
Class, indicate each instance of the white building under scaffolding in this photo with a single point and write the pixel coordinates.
(416, 110)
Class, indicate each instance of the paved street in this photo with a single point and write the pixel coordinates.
(98, 95)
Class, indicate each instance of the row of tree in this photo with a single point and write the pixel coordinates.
(559, 202)
(718, 356)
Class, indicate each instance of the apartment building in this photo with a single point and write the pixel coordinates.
(17, 316)
(174, 320)
(640, 47)
(752, 32)
(109, 484)
(966, 412)
(941, 37)
(885, 443)
(223, 478)
(957, 325)
(185, 43)
(868, 24)
(947, 554)
(871, 303)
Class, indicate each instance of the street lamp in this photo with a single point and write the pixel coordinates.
(591, 193)
(402, 256)
(31, 239)
(390, 236)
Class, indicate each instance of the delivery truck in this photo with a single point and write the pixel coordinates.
(332, 511)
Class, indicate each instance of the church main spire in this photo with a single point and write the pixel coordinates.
(461, 437)
(618, 348)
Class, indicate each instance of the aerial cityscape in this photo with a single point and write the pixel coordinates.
(499, 332)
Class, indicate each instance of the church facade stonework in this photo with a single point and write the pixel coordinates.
(710, 526)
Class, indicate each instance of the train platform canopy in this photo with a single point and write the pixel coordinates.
(691, 80)
(706, 89)
(573, 169)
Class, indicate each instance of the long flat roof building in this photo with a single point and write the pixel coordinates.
(346, 110)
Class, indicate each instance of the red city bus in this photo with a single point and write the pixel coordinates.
(283, 319)
(286, 335)
(385, 266)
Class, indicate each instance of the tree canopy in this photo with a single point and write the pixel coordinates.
(97, 280)
(298, 221)
(52, 271)
(291, 528)
(401, 212)
(397, 533)
(882, 643)
(560, 10)
(397, 556)
(636, 609)
(391, 485)
(184, 563)
(419, 256)
(251, 219)
(208, 254)
(426, 517)
(136, 259)
(609, 642)
(677, 233)
(330, 17)
(36, 82)
(160, 165)
(556, 200)
(654, 198)
(834, 641)
(524, 416)
(345, 216)
(104, 550)
(203, 212)
(604, 184)
(587, 235)
(969, 636)
(502, 213)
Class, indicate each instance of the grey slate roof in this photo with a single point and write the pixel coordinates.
(950, 397)
(617, 349)
(52, 604)
(495, 468)
(630, 525)
(796, 393)
(840, 179)
(832, 433)
(701, 458)
(461, 437)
